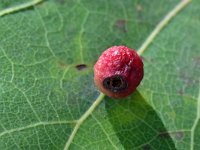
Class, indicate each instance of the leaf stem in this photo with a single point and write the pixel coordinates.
(19, 7)
(83, 118)
(162, 24)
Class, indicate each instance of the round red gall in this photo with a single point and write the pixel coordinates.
(118, 71)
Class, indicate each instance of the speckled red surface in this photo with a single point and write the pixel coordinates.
(119, 60)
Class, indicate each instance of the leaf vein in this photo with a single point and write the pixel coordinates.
(35, 125)
(182, 4)
(19, 7)
(195, 121)
(102, 128)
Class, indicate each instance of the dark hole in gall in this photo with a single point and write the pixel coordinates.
(81, 67)
(115, 83)
(108, 83)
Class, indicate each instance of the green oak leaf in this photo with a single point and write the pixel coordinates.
(47, 52)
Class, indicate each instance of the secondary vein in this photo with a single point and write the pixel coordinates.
(195, 122)
(162, 24)
(19, 7)
(35, 125)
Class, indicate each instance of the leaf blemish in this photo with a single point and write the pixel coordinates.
(179, 135)
(180, 92)
(197, 59)
(139, 11)
(164, 135)
(146, 147)
(121, 25)
(62, 65)
(139, 8)
(189, 81)
(61, 1)
(81, 67)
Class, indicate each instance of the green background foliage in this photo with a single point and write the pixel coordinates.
(43, 91)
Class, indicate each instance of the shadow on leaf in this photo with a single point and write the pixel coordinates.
(137, 125)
